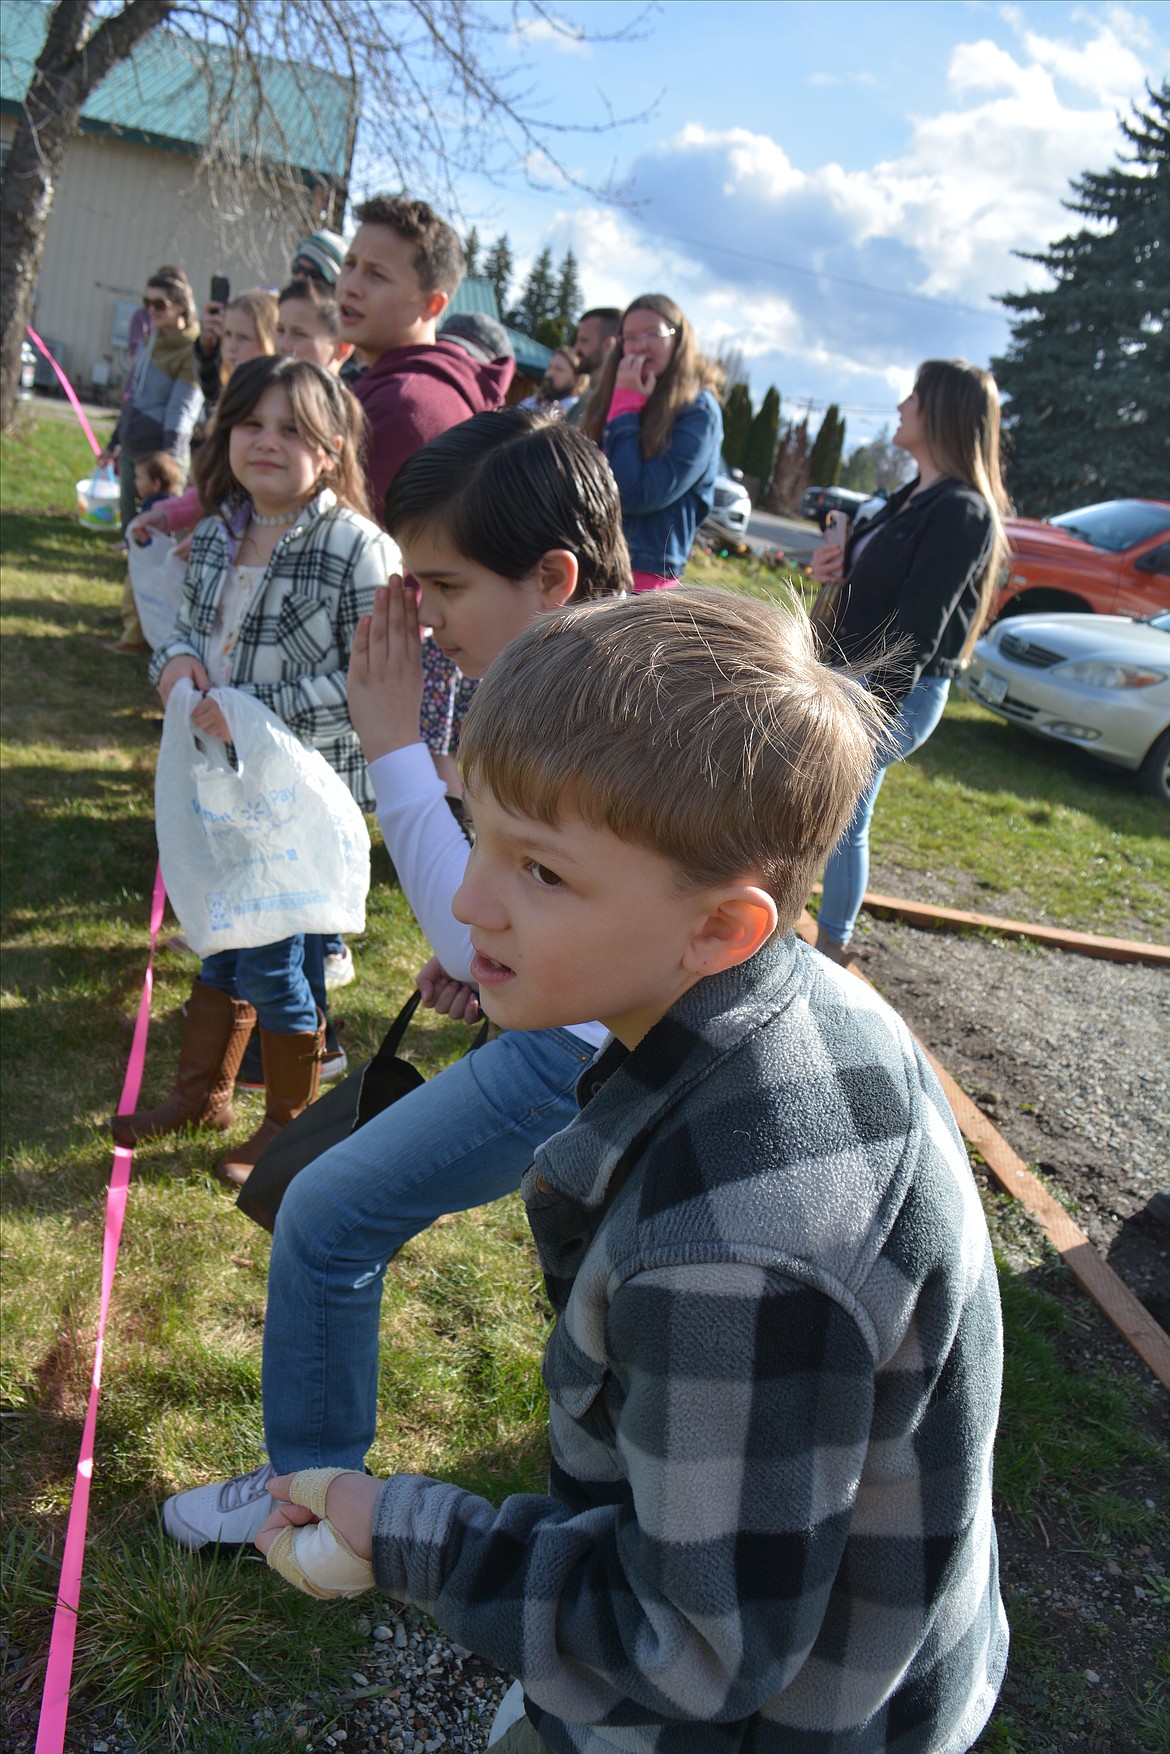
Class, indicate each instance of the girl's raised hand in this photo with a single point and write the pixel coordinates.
(634, 373)
(385, 681)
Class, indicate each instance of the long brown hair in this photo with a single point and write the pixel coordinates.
(687, 374)
(959, 404)
(324, 412)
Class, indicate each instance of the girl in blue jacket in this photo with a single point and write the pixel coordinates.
(659, 424)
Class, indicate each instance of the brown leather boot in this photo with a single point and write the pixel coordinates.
(841, 954)
(215, 1034)
(292, 1065)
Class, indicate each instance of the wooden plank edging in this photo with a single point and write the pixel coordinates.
(1094, 1275)
(954, 919)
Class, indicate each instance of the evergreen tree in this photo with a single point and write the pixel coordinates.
(825, 462)
(538, 299)
(549, 331)
(737, 423)
(858, 471)
(569, 300)
(471, 254)
(497, 268)
(762, 437)
(1087, 370)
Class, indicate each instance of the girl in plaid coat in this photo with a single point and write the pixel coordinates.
(281, 572)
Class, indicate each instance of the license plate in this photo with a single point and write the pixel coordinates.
(993, 688)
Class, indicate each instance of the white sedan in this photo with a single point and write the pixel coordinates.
(1098, 682)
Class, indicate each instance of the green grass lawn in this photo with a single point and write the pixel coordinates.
(464, 1315)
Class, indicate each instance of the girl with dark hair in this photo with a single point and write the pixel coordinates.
(658, 422)
(160, 407)
(281, 571)
(500, 519)
(917, 583)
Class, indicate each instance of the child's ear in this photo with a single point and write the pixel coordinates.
(558, 573)
(436, 304)
(739, 920)
(341, 352)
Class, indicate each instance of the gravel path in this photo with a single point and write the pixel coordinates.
(1071, 1060)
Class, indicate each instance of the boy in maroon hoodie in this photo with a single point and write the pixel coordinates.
(401, 271)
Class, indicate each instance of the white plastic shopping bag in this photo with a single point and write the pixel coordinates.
(156, 578)
(254, 853)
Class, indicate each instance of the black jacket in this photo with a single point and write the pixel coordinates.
(913, 592)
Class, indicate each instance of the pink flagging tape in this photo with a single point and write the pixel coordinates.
(67, 387)
(59, 1672)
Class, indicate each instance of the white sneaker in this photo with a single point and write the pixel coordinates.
(339, 968)
(230, 1513)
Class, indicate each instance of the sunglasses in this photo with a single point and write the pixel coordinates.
(156, 304)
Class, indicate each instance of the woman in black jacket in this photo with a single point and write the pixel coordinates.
(918, 579)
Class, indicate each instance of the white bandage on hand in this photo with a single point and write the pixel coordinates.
(317, 1557)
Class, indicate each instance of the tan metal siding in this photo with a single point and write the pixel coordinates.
(123, 210)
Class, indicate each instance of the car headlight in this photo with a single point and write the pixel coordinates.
(1099, 673)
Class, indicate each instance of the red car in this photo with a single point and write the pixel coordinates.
(1108, 559)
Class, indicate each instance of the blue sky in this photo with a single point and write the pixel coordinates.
(911, 147)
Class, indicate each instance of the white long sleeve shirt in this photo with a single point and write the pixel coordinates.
(429, 853)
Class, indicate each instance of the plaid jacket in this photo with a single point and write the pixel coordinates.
(773, 1392)
(292, 651)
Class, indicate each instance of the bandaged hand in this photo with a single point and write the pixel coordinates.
(319, 1535)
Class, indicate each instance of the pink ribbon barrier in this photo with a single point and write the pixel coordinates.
(59, 1671)
(67, 387)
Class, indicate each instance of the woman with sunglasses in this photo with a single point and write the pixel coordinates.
(655, 417)
(162, 403)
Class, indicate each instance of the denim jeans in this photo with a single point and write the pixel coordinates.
(461, 1140)
(272, 978)
(847, 871)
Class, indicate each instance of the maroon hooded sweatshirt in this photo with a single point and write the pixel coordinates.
(412, 394)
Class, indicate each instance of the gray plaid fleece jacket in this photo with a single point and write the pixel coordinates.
(292, 651)
(773, 1391)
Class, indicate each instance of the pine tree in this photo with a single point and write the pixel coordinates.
(858, 471)
(471, 254)
(538, 299)
(497, 268)
(825, 462)
(762, 436)
(737, 423)
(569, 298)
(1087, 370)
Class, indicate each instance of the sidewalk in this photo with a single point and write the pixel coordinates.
(59, 408)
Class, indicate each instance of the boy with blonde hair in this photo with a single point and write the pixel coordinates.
(774, 1378)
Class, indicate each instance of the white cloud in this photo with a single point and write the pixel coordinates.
(563, 38)
(981, 174)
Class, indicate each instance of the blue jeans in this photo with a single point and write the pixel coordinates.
(847, 872)
(463, 1139)
(272, 978)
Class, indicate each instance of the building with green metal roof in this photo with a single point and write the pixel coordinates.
(140, 185)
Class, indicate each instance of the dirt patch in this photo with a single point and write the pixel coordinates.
(1070, 1058)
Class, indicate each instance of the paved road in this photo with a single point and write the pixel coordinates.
(796, 536)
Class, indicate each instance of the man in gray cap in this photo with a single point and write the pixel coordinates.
(320, 257)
